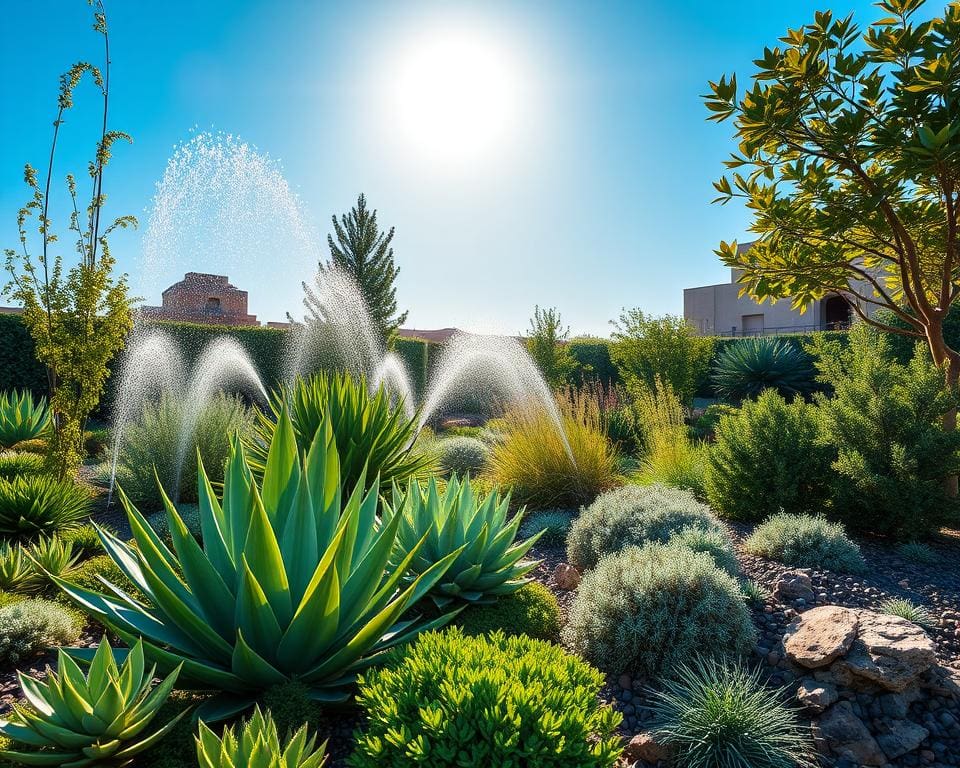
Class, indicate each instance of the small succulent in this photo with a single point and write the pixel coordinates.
(51, 557)
(258, 746)
(34, 505)
(916, 552)
(15, 569)
(21, 418)
(753, 592)
(101, 719)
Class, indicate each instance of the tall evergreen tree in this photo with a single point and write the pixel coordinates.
(364, 252)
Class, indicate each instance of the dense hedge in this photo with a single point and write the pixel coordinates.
(594, 353)
(19, 368)
(415, 354)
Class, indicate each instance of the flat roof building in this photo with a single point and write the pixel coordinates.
(203, 298)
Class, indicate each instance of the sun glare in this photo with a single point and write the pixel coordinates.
(455, 96)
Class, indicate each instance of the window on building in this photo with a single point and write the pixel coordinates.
(213, 304)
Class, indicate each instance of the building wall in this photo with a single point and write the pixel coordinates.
(203, 298)
(719, 310)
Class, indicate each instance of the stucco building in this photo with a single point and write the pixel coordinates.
(203, 298)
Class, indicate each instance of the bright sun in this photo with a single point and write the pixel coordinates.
(455, 96)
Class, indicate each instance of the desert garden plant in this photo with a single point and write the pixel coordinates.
(40, 505)
(449, 701)
(754, 592)
(21, 418)
(807, 542)
(13, 463)
(553, 523)
(632, 516)
(258, 745)
(291, 581)
(434, 526)
(50, 557)
(768, 458)
(919, 553)
(462, 455)
(644, 609)
(710, 713)
(532, 611)
(714, 542)
(747, 367)
(15, 569)
(102, 718)
(30, 626)
(373, 434)
(549, 468)
(905, 609)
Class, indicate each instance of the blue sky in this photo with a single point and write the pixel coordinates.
(594, 195)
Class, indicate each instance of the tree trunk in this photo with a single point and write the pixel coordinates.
(949, 361)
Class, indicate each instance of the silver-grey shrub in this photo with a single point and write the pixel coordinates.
(645, 609)
(460, 455)
(632, 516)
(29, 626)
(717, 544)
(806, 541)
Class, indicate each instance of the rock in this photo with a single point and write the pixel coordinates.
(816, 696)
(897, 705)
(889, 651)
(898, 737)
(645, 747)
(820, 636)
(794, 585)
(625, 682)
(942, 681)
(566, 576)
(840, 733)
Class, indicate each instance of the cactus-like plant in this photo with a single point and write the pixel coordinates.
(15, 570)
(40, 505)
(435, 525)
(258, 746)
(101, 719)
(747, 367)
(21, 418)
(288, 583)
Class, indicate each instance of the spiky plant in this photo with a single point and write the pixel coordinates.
(50, 557)
(258, 746)
(435, 525)
(897, 606)
(753, 592)
(13, 463)
(21, 418)
(74, 720)
(715, 714)
(289, 581)
(919, 553)
(747, 367)
(40, 505)
(15, 569)
(373, 434)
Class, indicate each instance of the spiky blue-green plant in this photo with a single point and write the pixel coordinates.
(746, 367)
(21, 418)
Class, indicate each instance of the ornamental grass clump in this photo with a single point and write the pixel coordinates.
(291, 581)
(450, 701)
(644, 609)
(13, 463)
(806, 541)
(632, 516)
(102, 718)
(32, 506)
(258, 745)
(714, 714)
(905, 609)
(434, 526)
(21, 418)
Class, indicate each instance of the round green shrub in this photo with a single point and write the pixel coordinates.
(807, 542)
(13, 463)
(632, 516)
(713, 714)
(554, 522)
(767, 459)
(30, 626)
(291, 707)
(450, 701)
(715, 543)
(460, 455)
(532, 610)
(647, 608)
(32, 506)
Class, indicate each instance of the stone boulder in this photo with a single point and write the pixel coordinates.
(889, 651)
(816, 696)
(841, 734)
(820, 636)
(566, 576)
(645, 748)
(794, 585)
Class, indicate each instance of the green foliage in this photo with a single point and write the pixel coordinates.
(806, 541)
(28, 627)
(84, 539)
(94, 573)
(415, 354)
(21, 418)
(462, 455)
(372, 435)
(151, 449)
(19, 367)
(16, 571)
(291, 707)
(754, 593)
(554, 523)
(290, 581)
(258, 746)
(40, 505)
(919, 553)
(647, 348)
(907, 610)
(472, 702)
(841, 142)
(713, 714)
(434, 527)
(532, 611)
(593, 360)
(768, 458)
(632, 516)
(546, 343)
(644, 609)
(13, 463)
(85, 721)
(715, 543)
(51, 558)
(885, 425)
(745, 369)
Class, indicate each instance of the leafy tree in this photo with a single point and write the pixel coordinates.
(849, 160)
(79, 315)
(546, 342)
(364, 252)
(647, 347)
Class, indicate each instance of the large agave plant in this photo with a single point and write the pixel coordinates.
(289, 582)
(40, 505)
(435, 525)
(101, 719)
(258, 746)
(372, 433)
(21, 418)
(747, 367)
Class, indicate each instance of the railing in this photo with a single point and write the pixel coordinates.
(784, 330)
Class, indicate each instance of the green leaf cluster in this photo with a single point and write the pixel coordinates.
(21, 418)
(747, 367)
(257, 746)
